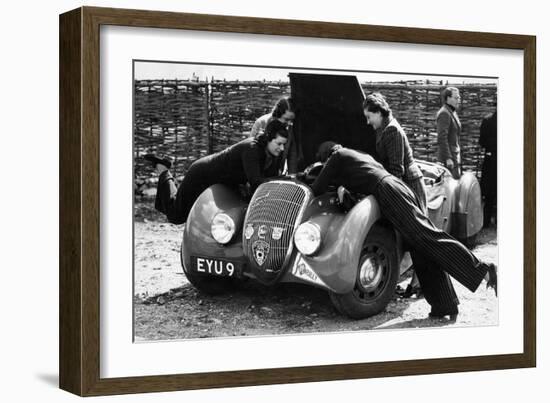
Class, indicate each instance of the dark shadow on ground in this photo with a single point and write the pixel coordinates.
(144, 210)
(250, 309)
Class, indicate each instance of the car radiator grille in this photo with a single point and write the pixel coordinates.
(273, 213)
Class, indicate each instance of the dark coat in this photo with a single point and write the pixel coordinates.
(488, 133)
(356, 171)
(394, 151)
(395, 154)
(488, 140)
(242, 163)
(448, 134)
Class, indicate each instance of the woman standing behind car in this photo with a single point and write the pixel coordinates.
(395, 154)
(249, 161)
(282, 111)
(392, 145)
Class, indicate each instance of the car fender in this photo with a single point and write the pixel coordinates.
(467, 214)
(440, 201)
(197, 238)
(334, 266)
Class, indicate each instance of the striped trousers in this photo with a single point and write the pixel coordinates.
(434, 252)
(418, 188)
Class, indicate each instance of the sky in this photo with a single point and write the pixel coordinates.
(149, 70)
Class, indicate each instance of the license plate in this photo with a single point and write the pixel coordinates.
(215, 267)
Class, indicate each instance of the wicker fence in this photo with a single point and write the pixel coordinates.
(191, 119)
(415, 104)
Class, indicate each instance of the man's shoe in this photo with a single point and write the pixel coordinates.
(155, 159)
(493, 277)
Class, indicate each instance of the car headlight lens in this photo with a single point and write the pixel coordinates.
(222, 228)
(308, 238)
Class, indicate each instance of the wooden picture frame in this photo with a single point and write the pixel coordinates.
(80, 187)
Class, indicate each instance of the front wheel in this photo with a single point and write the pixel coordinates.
(376, 278)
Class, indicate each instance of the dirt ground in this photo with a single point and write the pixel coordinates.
(166, 306)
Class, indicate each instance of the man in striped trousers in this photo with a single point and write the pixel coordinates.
(434, 252)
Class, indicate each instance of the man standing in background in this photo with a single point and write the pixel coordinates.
(488, 140)
(448, 131)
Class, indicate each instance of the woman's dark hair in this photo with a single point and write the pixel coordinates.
(282, 105)
(376, 102)
(273, 129)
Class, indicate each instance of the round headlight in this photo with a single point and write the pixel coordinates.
(222, 228)
(307, 238)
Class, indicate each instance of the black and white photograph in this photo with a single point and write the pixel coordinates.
(275, 200)
(246, 201)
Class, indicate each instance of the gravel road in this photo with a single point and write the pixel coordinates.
(167, 307)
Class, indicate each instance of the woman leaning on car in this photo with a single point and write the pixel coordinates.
(249, 161)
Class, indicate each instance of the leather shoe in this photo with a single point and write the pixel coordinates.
(437, 313)
(493, 277)
(155, 159)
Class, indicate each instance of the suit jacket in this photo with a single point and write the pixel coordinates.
(448, 135)
(394, 151)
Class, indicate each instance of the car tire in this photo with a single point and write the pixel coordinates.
(376, 278)
(208, 284)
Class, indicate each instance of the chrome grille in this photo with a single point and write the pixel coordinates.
(275, 209)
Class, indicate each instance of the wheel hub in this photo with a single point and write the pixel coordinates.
(370, 273)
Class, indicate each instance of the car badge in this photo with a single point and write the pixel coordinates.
(261, 198)
(260, 250)
(305, 272)
(249, 231)
(277, 233)
(262, 230)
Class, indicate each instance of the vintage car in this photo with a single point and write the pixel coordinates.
(285, 234)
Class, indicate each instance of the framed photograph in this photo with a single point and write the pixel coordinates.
(249, 201)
